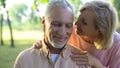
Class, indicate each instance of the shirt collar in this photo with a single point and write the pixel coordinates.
(65, 51)
(45, 50)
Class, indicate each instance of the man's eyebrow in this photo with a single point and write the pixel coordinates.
(55, 21)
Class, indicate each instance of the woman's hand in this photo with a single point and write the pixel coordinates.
(79, 57)
(37, 45)
(84, 58)
(94, 62)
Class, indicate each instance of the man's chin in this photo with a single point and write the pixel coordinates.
(59, 45)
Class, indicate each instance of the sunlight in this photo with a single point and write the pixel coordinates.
(10, 3)
(84, 1)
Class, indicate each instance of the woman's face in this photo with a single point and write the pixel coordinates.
(86, 25)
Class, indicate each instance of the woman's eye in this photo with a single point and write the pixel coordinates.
(84, 22)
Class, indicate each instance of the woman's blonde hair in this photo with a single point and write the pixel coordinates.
(106, 20)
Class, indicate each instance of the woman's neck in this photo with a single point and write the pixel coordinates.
(88, 40)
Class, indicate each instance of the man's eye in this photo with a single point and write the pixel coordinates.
(69, 25)
(56, 24)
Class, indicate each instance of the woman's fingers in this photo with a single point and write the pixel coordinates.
(37, 45)
(79, 57)
(77, 51)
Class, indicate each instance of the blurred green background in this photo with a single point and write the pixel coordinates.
(20, 25)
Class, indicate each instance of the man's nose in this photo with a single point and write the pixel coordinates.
(62, 31)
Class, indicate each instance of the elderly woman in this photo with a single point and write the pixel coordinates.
(95, 32)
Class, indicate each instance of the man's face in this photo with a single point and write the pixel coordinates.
(58, 28)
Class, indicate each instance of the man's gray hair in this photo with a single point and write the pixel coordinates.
(54, 3)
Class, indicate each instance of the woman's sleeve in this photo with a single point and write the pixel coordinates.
(115, 60)
(115, 53)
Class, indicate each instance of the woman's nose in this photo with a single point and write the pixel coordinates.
(76, 23)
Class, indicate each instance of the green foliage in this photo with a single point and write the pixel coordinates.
(17, 11)
(76, 4)
(2, 3)
(24, 18)
(41, 1)
(116, 4)
(34, 7)
(38, 2)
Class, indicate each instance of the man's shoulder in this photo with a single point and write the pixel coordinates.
(73, 47)
(27, 52)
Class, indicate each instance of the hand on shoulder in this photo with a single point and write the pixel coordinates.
(37, 45)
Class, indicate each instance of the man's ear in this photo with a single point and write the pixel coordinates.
(43, 19)
(43, 23)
